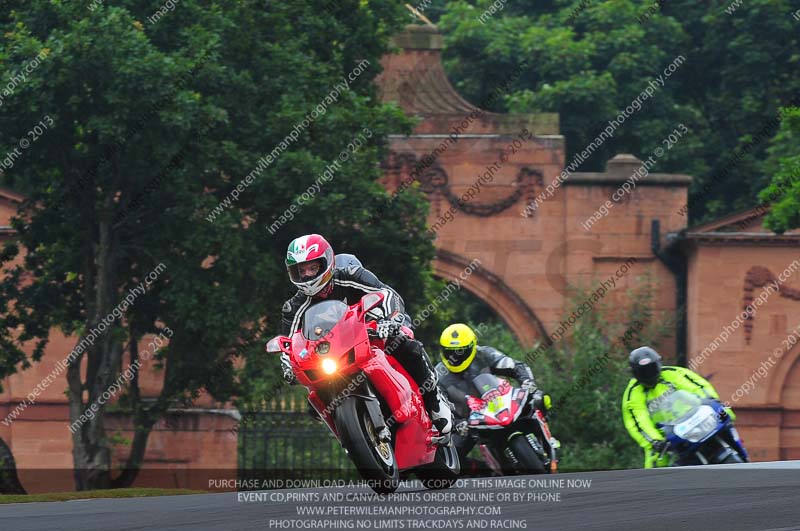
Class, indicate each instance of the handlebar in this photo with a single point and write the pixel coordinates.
(664, 451)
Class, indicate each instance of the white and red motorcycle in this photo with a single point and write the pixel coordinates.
(512, 435)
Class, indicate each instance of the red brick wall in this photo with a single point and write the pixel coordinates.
(769, 408)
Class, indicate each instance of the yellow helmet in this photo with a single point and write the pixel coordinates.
(459, 346)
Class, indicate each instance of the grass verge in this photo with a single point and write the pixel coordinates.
(90, 494)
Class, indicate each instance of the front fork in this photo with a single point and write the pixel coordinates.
(364, 391)
(552, 442)
(491, 460)
(730, 442)
(739, 443)
(374, 411)
(549, 458)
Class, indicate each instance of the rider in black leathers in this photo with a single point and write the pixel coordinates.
(349, 284)
(462, 360)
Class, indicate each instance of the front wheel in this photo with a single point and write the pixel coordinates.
(528, 461)
(374, 459)
(722, 444)
(443, 472)
(733, 458)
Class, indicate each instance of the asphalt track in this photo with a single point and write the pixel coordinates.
(727, 497)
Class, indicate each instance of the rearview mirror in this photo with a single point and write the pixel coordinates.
(278, 344)
(370, 301)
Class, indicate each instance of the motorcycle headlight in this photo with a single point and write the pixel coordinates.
(323, 348)
(699, 426)
(328, 366)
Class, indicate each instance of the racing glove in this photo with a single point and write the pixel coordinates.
(286, 367)
(660, 446)
(528, 385)
(387, 328)
(462, 428)
(538, 401)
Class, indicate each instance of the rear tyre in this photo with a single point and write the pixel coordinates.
(443, 472)
(373, 458)
(527, 460)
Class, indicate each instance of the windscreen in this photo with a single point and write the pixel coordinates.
(670, 408)
(485, 383)
(321, 318)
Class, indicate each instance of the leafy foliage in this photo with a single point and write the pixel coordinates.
(783, 193)
(154, 124)
(585, 374)
(589, 66)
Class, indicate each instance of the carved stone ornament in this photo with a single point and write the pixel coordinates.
(403, 169)
(758, 277)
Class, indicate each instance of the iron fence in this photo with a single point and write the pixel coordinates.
(282, 441)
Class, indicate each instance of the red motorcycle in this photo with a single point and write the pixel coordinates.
(366, 398)
(512, 435)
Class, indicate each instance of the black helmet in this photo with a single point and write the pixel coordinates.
(645, 365)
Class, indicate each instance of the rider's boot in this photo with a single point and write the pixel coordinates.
(439, 409)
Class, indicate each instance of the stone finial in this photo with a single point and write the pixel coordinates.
(416, 37)
(623, 164)
(414, 78)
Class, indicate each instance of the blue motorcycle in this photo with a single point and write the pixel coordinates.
(698, 430)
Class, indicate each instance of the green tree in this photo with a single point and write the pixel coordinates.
(586, 372)
(145, 128)
(783, 164)
(592, 59)
(9, 482)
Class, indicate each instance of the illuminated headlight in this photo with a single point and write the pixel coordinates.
(699, 426)
(328, 366)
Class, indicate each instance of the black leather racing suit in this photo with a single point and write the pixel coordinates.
(459, 384)
(351, 283)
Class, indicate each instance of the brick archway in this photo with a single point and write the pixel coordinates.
(500, 191)
(785, 390)
(491, 289)
(780, 378)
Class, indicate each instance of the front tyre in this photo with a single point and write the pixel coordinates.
(374, 459)
(724, 447)
(443, 472)
(527, 460)
(733, 458)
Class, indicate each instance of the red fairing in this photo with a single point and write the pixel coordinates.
(475, 404)
(504, 387)
(391, 382)
(497, 407)
(359, 357)
(325, 412)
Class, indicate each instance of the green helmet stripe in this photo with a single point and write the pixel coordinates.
(294, 248)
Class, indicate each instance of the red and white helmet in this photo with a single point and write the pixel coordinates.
(310, 248)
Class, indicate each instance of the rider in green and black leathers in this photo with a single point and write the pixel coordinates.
(650, 384)
(462, 359)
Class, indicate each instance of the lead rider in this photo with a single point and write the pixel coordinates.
(311, 265)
